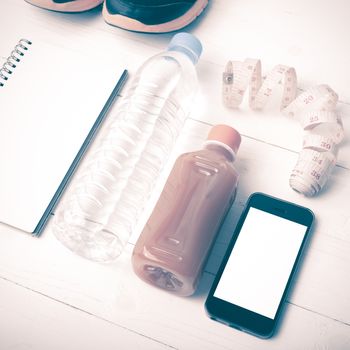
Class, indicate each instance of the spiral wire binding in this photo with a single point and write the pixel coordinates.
(11, 62)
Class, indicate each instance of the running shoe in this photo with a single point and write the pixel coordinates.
(152, 16)
(66, 5)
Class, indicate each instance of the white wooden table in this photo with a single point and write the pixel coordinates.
(53, 299)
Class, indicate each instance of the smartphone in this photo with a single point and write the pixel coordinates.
(252, 282)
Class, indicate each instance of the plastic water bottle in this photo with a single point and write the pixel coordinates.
(98, 216)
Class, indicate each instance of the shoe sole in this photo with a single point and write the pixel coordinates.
(73, 6)
(137, 26)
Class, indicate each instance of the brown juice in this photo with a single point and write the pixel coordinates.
(174, 244)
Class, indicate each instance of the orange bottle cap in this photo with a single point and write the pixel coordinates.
(227, 135)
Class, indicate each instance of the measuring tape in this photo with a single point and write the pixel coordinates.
(314, 109)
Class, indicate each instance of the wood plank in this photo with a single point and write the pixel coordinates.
(275, 33)
(221, 41)
(302, 34)
(30, 320)
(133, 308)
(113, 292)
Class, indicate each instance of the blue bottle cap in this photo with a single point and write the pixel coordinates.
(187, 44)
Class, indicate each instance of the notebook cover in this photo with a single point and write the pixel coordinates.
(48, 111)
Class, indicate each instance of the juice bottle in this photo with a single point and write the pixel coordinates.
(174, 244)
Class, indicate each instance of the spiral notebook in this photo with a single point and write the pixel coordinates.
(51, 100)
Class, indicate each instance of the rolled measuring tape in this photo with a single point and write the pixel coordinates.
(315, 109)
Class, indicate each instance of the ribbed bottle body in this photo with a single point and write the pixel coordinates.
(104, 203)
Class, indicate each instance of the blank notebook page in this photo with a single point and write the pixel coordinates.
(47, 108)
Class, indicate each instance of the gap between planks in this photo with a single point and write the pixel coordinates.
(84, 311)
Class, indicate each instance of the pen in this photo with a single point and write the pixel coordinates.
(111, 99)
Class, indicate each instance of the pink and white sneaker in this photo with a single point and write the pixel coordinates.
(66, 5)
(152, 16)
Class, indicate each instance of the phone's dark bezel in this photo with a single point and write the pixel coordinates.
(239, 317)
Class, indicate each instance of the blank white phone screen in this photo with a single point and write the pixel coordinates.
(261, 261)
